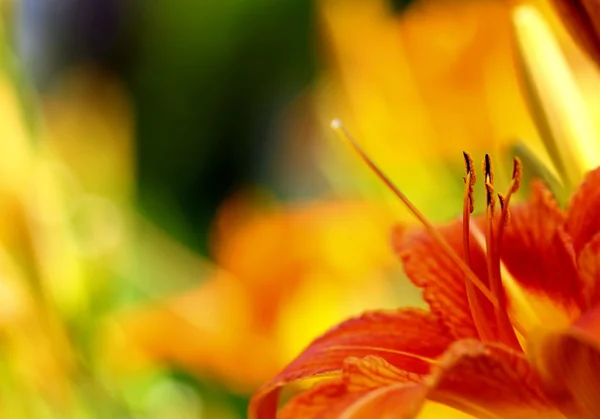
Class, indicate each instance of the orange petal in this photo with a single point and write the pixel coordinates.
(539, 257)
(407, 339)
(403, 401)
(332, 400)
(489, 381)
(568, 362)
(371, 372)
(326, 400)
(583, 218)
(589, 272)
(368, 386)
(443, 283)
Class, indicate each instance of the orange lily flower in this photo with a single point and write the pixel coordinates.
(512, 328)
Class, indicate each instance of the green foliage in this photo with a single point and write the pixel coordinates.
(208, 77)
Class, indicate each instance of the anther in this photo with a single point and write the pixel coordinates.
(517, 175)
(487, 169)
(469, 180)
(489, 185)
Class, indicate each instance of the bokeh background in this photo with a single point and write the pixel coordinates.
(177, 218)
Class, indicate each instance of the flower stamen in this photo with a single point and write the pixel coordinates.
(517, 176)
(479, 318)
(505, 329)
(515, 184)
(338, 127)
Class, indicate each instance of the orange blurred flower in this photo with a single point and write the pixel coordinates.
(325, 260)
(523, 343)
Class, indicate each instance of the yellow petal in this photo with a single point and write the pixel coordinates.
(432, 410)
(555, 101)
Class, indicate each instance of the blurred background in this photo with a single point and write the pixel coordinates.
(177, 219)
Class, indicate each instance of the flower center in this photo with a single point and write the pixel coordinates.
(503, 330)
(493, 241)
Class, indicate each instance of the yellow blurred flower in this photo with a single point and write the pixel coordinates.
(89, 127)
(285, 274)
(419, 87)
(559, 85)
(71, 246)
(61, 235)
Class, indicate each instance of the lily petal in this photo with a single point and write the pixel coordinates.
(443, 283)
(583, 218)
(568, 362)
(542, 277)
(489, 381)
(367, 385)
(373, 372)
(332, 400)
(408, 339)
(324, 400)
(589, 272)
